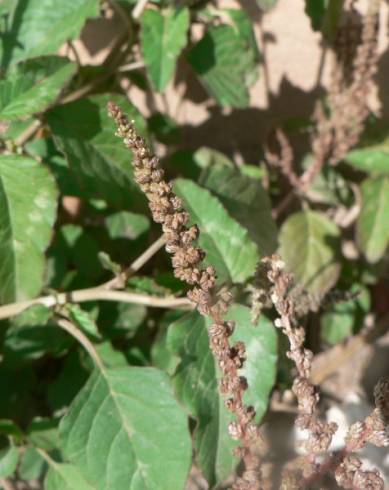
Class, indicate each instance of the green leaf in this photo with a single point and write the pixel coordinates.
(110, 356)
(196, 382)
(261, 364)
(148, 285)
(196, 385)
(108, 263)
(226, 65)
(124, 224)
(332, 18)
(316, 9)
(309, 244)
(17, 387)
(9, 428)
(208, 157)
(30, 336)
(163, 36)
(9, 458)
(164, 128)
(6, 6)
(346, 317)
(120, 319)
(62, 476)
(162, 358)
(243, 25)
(81, 249)
(328, 186)
(40, 27)
(33, 85)
(32, 465)
(83, 320)
(43, 433)
(28, 202)
(125, 430)
(99, 161)
(372, 224)
(228, 245)
(63, 389)
(325, 15)
(246, 200)
(373, 159)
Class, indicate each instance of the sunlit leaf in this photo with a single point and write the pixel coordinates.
(246, 200)
(372, 224)
(196, 382)
(309, 244)
(40, 27)
(226, 65)
(33, 85)
(228, 245)
(98, 160)
(163, 36)
(125, 430)
(28, 204)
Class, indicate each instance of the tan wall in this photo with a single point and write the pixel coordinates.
(289, 86)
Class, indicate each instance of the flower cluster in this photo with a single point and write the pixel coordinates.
(374, 429)
(339, 126)
(167, 209)
(320, 432)
(283, 159)
(349, 474)
(351, 81)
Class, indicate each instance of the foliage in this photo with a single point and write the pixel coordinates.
(107, 377)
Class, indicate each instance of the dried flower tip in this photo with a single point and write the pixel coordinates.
(278, 322)
(242, 383)
(230, 404)
(240, 452)
(235, 430)
(246, 414)
(238, 351)
(230, 327)
(381, 395)
(274, 297)
(217, 330)
(224, 386)
(279, 264)
(253, 431)
(190, 235)
(354, 438)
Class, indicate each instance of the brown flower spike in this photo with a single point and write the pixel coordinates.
(374, 429)
(167, 209)
(320, 432)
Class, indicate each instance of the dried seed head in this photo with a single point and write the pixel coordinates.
(167, 209)
(381, 395)
(230, 404)
(235, 431)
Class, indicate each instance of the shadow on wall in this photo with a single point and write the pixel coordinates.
(243, 130)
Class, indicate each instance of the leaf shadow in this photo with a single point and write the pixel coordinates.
(9, 38)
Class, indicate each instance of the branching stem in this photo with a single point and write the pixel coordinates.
(81, 338)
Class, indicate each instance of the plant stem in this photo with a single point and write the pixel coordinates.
(28, 133)
(7, 484)
(84, 341)
(104, 292)
(135, 65)
(139, 8)
(120, 280)
(94, 294)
